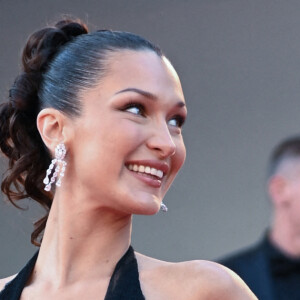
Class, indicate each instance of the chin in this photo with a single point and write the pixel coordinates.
(148, 208)
(151, 212)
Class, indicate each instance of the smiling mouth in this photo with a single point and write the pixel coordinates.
(153, 172)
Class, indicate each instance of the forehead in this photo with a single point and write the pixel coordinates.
(142, 69)
(290, 167)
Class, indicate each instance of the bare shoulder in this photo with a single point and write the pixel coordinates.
(4, 281)
(198, 279)
(220, 282)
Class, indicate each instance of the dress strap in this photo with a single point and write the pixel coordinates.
(14, 288)
(124, 283)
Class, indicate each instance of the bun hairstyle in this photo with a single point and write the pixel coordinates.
(59, 63)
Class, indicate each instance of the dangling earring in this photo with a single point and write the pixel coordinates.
(163, 207)
(60, 153)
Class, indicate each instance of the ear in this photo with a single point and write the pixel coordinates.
(51, 124)
(279, 190)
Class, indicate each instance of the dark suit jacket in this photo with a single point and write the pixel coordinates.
(253, 267)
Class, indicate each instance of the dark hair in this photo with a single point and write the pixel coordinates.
(58, 63)
(287, 149)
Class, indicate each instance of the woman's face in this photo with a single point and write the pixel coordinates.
(128, 146)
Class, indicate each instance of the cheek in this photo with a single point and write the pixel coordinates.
(177, 161)
(111, 144)
(180, 155)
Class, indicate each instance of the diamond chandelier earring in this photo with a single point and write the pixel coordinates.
(163, 207)
(58, 161)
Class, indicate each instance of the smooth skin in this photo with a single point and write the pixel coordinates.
(134, 116)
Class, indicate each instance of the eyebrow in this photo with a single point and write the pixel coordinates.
(138, 91)
(147, 95)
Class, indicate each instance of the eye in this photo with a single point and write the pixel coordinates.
(135, 108)
(177, 121)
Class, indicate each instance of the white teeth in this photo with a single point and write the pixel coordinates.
(160, 173)
(147, 170)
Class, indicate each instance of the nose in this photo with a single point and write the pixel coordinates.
(161, 141)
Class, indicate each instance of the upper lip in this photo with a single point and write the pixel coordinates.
(162, 166)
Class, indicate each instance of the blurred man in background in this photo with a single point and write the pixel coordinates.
(271, 268)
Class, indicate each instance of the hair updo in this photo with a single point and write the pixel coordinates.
(58, 63)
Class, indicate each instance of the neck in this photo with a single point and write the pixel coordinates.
(285, 235)
(81, 243)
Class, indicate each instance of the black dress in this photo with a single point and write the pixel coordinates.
(124, 282)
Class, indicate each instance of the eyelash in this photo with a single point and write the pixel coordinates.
(180, 119)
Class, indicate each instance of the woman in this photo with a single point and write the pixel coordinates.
(92, 130)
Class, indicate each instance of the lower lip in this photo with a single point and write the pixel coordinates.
(156, 183)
